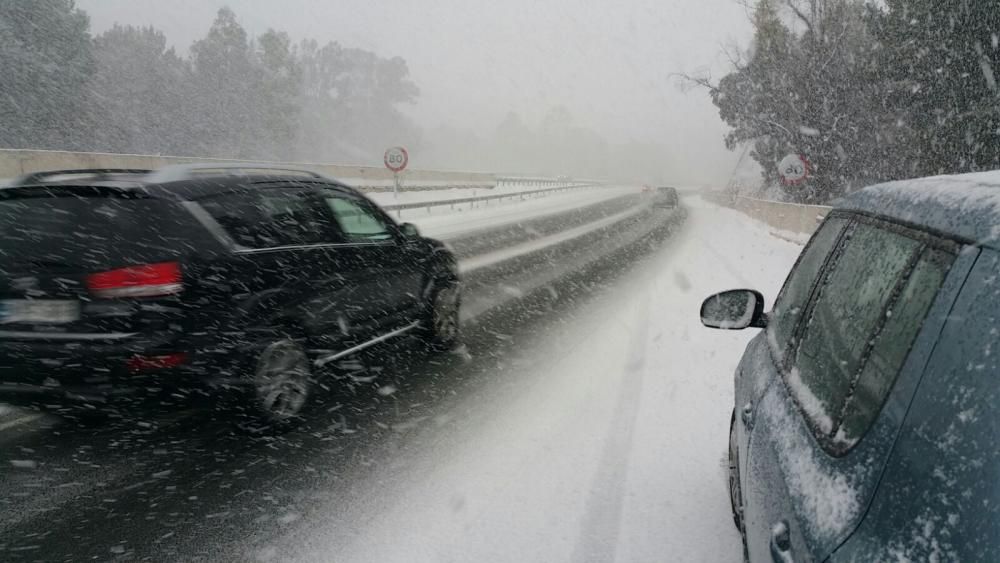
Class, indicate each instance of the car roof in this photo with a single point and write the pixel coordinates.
(965, 206)
(200, 185)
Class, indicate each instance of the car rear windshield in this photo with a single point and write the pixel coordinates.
(91, 229)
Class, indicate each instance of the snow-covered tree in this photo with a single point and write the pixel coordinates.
(351, 100)
(940, 63)
(140, 91)
(807, 88)
(43, 95)
(867, 91)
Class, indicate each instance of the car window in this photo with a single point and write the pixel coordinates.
(357, 222)
(851, 299)
(90, 230)
(269, 218)
(902, 322)
(794, 296)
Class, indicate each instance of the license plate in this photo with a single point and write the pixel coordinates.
(38, 311)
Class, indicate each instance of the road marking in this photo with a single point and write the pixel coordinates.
(23, 419)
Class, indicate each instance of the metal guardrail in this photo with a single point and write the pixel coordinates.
(408, 188)
(473, 200)
(536, 180)
(499, 181)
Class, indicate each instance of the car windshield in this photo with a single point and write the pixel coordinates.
(706, 280)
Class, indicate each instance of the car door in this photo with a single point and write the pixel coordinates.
(760, 366)
(276, 267)
(822, 430)
(386, 275)
(939, 485)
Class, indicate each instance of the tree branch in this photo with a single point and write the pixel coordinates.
(805, 19)
(688, 82)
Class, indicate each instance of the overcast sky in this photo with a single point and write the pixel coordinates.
(608, 61)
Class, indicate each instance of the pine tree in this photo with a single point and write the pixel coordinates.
(46, 61)
(226, 122)
(141, 88)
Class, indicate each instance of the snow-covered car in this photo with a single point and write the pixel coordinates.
(213, 281)
(867, 411)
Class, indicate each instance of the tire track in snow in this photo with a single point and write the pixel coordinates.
(599, 530)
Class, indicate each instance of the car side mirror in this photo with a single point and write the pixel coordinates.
(736, 309)
(410, 231)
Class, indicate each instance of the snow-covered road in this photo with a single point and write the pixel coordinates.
(603, 440)
(583, 423)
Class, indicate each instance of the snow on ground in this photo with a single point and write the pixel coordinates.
(601, 441)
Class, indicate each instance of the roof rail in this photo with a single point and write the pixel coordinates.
(178, 172)
(36, 177)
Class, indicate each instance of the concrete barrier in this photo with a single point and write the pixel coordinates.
(16, 162)
(791, 217)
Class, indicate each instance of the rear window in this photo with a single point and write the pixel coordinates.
(93, 231)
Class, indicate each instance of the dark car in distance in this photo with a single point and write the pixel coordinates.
(665, 197)
(868, 409)
(204, 280)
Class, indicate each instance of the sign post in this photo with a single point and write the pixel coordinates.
(396, 159)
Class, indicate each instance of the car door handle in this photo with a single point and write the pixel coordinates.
(781, 543)
(746, 414)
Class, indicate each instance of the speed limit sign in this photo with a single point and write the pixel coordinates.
(793, 169)
(396, 159)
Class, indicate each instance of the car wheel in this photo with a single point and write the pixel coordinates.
(735, 494)
(281, 382)
(442, 324)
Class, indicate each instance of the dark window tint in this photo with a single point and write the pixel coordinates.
(358, 222)
(96, 231)
(903, 321)
(794, 296)
(267, 218)
(851, 300)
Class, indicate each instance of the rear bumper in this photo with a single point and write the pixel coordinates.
(34, 371)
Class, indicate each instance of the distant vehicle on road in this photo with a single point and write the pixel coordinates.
(236, 282)
(867, 411)
(665, 197)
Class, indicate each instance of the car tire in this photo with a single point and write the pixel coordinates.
(735, 493)
(280, 384)
(441, 325)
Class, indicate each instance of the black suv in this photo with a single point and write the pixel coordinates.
(204, 279)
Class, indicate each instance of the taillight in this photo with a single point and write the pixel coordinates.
(147, 280)
(138, 364)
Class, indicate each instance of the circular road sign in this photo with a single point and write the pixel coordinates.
(794, 169)
(396, 159)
